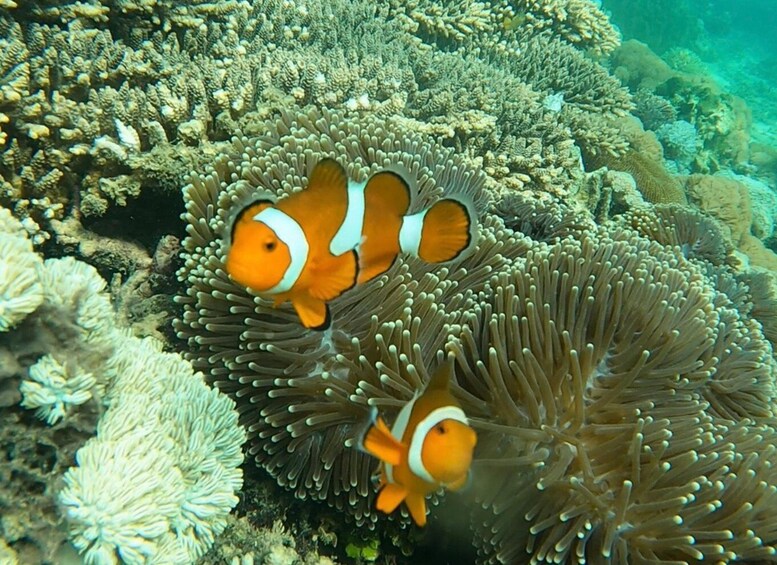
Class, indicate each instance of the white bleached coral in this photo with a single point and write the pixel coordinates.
(75, 287)
(158, 481)
(52, 390)
(20, 291)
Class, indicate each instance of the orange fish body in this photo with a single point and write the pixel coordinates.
(430, 445)
(313, 245)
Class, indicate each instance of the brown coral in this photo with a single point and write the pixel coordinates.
(653, 180)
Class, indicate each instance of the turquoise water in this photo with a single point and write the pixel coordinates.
(735, 41)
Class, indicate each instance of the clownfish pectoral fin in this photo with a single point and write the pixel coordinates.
(312, 312)
(390, 497)
(416, 504)
(461, 482)
(327, 174)
(379, 442)
(447, 231)
(336, 276)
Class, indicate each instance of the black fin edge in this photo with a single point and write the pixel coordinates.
(401, 180)
(325, 325)
(356, 271)
(366, 429)
(468, 213)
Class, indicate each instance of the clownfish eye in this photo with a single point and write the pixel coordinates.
(269, 245)
(440, 429)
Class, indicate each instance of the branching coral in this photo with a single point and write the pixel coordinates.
(579, 22)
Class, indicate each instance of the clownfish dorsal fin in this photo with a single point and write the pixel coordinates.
(327, 174)
(379, 442)
(441, 379)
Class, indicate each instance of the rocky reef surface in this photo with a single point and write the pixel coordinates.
(613, 330)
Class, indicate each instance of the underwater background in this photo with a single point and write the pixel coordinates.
(612, 330)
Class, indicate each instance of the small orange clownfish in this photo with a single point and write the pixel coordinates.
(430, 445)
(313, 245)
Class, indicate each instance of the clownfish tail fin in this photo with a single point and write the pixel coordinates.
(440, 233)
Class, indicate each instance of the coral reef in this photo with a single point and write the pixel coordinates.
(579, 22)
(653, 180)
(96, 92)
(722, 121)
(597, 314)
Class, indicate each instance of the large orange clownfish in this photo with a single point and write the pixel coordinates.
(430, 445)
(313, 245)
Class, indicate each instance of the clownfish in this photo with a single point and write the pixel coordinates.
(313, 245)
(429, 446)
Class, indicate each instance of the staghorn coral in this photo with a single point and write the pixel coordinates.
(488, 112)
(451, 21)
(579, 22)
(580, 90)
(552, 66)
(566, 354)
